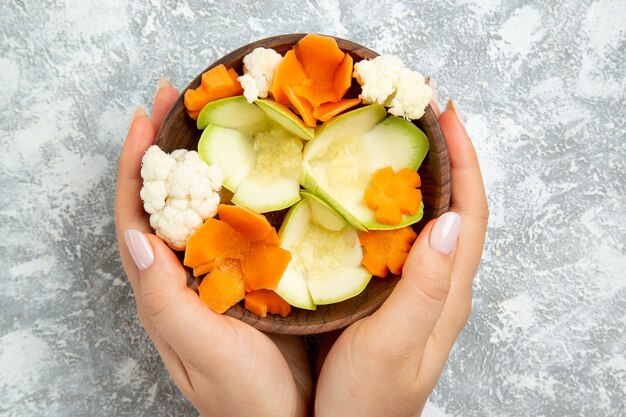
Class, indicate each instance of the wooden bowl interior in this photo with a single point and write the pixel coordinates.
(180, 131)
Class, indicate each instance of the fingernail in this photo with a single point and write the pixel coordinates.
(163, 83)
(139, 112)
(452, 106)
(445, 232)
(433, 86)
(139, 248)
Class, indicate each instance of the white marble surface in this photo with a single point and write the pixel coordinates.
(542, 88)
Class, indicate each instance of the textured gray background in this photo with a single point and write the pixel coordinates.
(542, 88)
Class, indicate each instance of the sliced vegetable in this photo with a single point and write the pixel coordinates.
(216, 83)
(314, 72)
(320, 57)
(326, 264)
(285, 117)
(263, 265)
(253, 225)
(343, 76)
(260, 302)
(327, 111)
(339, 163)
(223, 287)
(214, 241)
(302, 106)
(288, 73)
(241, 247)
(392, 195)
(234, 113)
(386, 250)
(262, 168)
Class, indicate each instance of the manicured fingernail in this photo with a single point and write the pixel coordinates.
(139, 248)
(163, 83)
(433, 86)
(445, 232)
(452, 106)
(139, 112)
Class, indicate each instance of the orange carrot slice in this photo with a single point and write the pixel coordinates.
(343, 77)
(252, 224)
(196, 99)
(193, 114)
(302, 106)
(216, 83)
(223, 287)
(288, 73)
(392, 195)
(260, 302)
(215, 240)
(386, 250)
(314, 72)
(264, 266)
(327, 111)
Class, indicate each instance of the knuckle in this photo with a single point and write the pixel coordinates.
(154, 303)
(431, 284)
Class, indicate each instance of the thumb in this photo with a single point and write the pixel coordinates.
(176, 310)
(413, 308)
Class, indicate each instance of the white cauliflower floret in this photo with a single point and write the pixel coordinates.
(179, 192)
(259, 67)
(412, 95)
(385, 80)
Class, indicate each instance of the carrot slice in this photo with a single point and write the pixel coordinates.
(223, 287)
(216, 83)
(264, 266)
(314, 72)
(196, 99)
(329, 110)
(319, 55)
(303, 107)
(386, 250)
(260, 302)
(252, 224)
(193, 114)
(392, 195)
(343, 77)
(215, 240)
(289, 72)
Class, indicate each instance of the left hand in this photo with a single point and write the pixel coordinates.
(222, 365)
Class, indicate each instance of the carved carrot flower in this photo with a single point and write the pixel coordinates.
(386, 250)
(392, 195)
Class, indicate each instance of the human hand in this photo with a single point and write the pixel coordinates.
(387, 364)
(223, 366)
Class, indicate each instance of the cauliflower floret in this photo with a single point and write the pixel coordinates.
(259, 67)
(378, 77)
(385, 80)
(412, 96)
(179, 192)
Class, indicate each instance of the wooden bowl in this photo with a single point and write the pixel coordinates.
(179, 131)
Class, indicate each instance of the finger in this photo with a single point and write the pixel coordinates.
(164, 98)
(175, 310)
(468, 191)
(473, 209)
(408, 316)
(469, 200)
(129, 213)
(434, 102)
